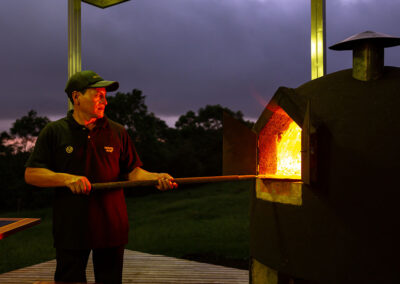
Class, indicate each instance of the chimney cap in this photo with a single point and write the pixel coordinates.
(380, 39)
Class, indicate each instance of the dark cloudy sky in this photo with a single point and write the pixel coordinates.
(183, 54)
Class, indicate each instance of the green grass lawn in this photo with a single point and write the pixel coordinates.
(207, 223)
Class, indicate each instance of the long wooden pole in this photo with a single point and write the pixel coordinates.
(188, 180)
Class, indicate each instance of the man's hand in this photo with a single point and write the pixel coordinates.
(79, 185)
(165, 182)
(43, 177)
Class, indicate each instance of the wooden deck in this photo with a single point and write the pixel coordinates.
(141, 268)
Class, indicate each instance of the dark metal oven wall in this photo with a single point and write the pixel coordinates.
(346, 230)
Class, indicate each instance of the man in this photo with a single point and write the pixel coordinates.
(83, 148)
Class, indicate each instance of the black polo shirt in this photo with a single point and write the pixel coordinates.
(104, 154)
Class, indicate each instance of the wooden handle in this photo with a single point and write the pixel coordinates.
(192, 180)
(189, 180)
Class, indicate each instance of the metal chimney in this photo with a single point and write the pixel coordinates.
(368, 53)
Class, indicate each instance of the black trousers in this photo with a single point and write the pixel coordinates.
(107, 265)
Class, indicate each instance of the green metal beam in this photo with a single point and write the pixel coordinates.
(74, 39)
(318, 39)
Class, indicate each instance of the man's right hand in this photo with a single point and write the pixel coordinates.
(43, 177)
(79, 185)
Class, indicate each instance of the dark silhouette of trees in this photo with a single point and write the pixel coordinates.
(14, 152)
(149, 133)
(193, 148)
(200, 141)
(29, 125)
(5, 148)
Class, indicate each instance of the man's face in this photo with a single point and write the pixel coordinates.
(93, 102)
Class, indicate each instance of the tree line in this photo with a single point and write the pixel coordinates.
(192, 148)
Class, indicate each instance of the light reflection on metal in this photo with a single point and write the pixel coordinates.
(368, 62)
(104, 3)
(318, 39)
(74, 39)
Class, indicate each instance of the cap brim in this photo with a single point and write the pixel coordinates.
(109, 85)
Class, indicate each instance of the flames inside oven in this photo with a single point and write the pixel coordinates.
(279, 160)
(279, 154)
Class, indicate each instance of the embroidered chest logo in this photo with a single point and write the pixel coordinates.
(69, 149)
(109, 149)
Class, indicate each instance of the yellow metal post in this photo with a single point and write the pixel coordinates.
(74, 39)
(318, 39)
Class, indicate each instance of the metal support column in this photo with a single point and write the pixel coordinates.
(74, 39)
(318, 39)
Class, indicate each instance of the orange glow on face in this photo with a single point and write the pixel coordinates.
(289, 152)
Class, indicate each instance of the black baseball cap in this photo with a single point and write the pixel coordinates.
(88, 79)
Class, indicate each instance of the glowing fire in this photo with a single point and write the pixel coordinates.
(289, 152)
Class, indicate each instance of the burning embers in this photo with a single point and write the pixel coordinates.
(289, 152)
(279, 158)
(279, 147)
(276, 151)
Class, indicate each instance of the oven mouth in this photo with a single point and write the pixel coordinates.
(279, 154)
(279, 148)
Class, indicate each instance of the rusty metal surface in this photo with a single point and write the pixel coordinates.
(265, 116)
(268, 137)
(286, 99)
(239, 148)
(279, 191)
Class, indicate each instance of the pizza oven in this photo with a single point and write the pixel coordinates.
(326, 156)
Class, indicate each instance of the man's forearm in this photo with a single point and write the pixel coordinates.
(43, 177)
(141, 174)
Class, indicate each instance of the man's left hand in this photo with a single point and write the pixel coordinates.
(165, 182)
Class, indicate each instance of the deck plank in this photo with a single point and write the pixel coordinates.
(141, 268)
